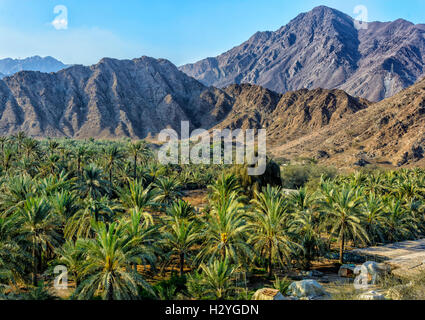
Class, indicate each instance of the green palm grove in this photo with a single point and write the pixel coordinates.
(116, 219)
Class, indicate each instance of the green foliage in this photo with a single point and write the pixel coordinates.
(116, 218)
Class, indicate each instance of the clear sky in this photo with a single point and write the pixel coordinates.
(84, 31)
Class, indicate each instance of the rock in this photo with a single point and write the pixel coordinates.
(307, 289)
(321, 154)
(372, 295)
(361, 163)
(268, 294)
(370, 273)
(347, 271)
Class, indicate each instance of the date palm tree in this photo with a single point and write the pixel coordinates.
(168, 191)
(374, 218)
(107, 269)
(181, 209)
(215, 279)
(12, 259)
(14, 193)
(180, 237)
(92, 182)
(342, 205)
(307, 230)
(40, 228)
(114, 157)
(79, 225)
(225, 233)
(134, 195)
(71, 254)
(268, 227)
(136, 150)
(81, 155)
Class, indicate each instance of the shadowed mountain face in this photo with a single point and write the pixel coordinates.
(11, 66)
(115, 98)
(139, 98)
(323, 49)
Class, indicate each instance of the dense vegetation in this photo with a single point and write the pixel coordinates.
(116, 218)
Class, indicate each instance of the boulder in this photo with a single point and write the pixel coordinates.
(268, 294)
(372, 295)
(307, 289)
(347, 271)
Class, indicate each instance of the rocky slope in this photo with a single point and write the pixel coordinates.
(390, 132)
(290, 116)
(114, 98)
(11, 66)
(323, 49)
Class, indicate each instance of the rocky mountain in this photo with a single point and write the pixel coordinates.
(290, 116)
(323, 49)
(114, 98)
(11, 66)
(391, 132)
(139, 98)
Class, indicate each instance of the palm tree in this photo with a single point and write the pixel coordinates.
(400, 224)
(71, 255)
(3, 141)
(268, 227)
(81, 154)
(14, 193)
(9, 154)
(224, 187)
(12, 258)
(306, 227)
(301, 200)
(65, 204)
(92, 182)
(181, 209)
(374, 218)
(106, 270)
(136, 196)
(224, 233)
(137, 149)
(180, 238)
(343, 208)
(114, 157)
(30, 147)
(168, 190)
(39, 228)
(79, 225)
(216, 279)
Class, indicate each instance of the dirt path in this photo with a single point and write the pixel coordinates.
(406, 258)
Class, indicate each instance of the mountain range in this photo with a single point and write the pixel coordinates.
(323, 49)
(140, 97)
(10, 66)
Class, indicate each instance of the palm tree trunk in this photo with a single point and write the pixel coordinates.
(110, 293)
(269, 267)
(181, 264)
(341, 247)
(135, 167)
(34, 261)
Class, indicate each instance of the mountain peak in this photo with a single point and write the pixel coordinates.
(322, 48)
(47, 64)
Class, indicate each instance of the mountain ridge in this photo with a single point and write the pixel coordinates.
(9, 66)
(322, 48)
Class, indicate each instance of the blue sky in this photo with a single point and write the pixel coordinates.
(179, 30)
